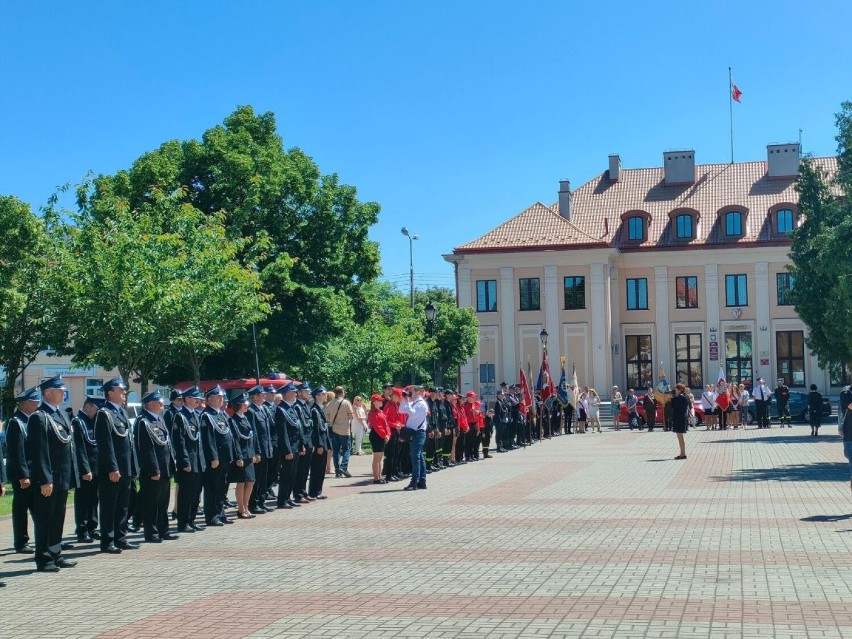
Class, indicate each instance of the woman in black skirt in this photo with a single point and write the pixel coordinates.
(242, 469)
(379, 435)
(680, 420)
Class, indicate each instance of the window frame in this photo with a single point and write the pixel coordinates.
(736, 290)
(692, 339)
(643, 228)
(639, 371)
(791, 360)
(777, 221)
(487, 296)
(686, 290)
(684, 216)
(530, 296)
(729, 215)
(782, 300)
(637, 282)
(579, 282)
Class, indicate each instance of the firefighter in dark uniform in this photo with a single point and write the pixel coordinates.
(50, 450)
(782, 399)
(303, 398)
(219, 452)
(18, 470)
(450, 428)
(116, 467)
(175, 404)
(155, 462)
(288, 425)
(431, 429)
(189, 460)
(86, 449)
(262, 424)
(501, 418)
(321, 443)
(441, 428)
(274, 461)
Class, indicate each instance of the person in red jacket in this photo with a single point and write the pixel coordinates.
(392, 448)
(463, 428)
(380, 434)
(471, 414)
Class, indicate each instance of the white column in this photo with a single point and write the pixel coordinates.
(711, 302)
(506, 303)
(599, 342)
(466, 377)
(761, 301)
(551, 316)
(661, 309)
(615, 329)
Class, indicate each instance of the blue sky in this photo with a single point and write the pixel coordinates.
(453, 115)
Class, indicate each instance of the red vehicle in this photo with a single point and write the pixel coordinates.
(234, 387)
(658, 420)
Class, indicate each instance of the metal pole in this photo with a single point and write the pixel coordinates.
(411, 266)
(731, 109)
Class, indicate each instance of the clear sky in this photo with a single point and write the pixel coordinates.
(453, 114)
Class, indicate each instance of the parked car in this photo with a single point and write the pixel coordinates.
(797, 405)
(622, 416)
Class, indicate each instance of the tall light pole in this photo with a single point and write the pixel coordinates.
(431, 313)
(411, 239)
(254, 336)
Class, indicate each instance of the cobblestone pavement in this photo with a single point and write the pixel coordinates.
(599, 535)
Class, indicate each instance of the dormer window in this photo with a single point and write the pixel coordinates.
(636, 228)
(685, 226)
(784, 221)
(734, 224)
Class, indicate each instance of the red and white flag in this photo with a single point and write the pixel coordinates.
(736, 93)
(526, 400)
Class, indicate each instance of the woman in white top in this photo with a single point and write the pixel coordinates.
(359, 423)
(708, 405)
(615, 402)
(744, 396)
(593, 403)
(582, 413)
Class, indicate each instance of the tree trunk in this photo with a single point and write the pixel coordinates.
(195, 365)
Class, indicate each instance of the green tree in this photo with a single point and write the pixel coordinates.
(32, 291)
(455, 334)
(155, 285)
(821, 251)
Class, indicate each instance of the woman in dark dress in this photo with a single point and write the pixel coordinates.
(680, 420)
(815, 410)
(242, 469)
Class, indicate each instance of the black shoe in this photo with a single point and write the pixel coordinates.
(320, 497)
(258, 511)
(300, 500)
(48, 568)
(186, 529)
(64, 563)
(286, 506)
(25, 550)
(488, 456)
(227, 521)
(421, 486)
(127, 545)
(294, 504)
(96, 534)
(411, 487)
(245, 516)
(84, 539)
(170, 537)
(231, 504)
(215, 523)
(156, 539)
(133, 528)
(267, 507)
(346, 473)
(380, 481)
(111, 550)
(67, 546)
(338, 475)
(197, 527)
(172, 516)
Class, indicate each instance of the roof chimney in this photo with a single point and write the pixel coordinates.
(783, 159)
(565, 199)
(679, 167)
(614, 167)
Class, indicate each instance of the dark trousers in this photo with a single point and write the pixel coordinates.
(273, 470)
(187, 501)
(154, 496)
(134, 505)
(485, 438)
(460, 445)
(22, 509)
(261, 470)
(114, 499)
(302, 472)
(86, 507)
(391, 454)
(471, 449)
(48, 522)
(447, 449)
(215, 492)
(317, 473)
(404, 458)
(723, 417)
(288, 470)
(762, 410)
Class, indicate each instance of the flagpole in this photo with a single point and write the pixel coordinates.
(731, 109)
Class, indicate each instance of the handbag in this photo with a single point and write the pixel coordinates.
(405, 434)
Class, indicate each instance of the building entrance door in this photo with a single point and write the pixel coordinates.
(739, 366)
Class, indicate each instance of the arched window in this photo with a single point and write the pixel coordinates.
(733, 223)
(635, 228)
(684, 225)
(784, 221)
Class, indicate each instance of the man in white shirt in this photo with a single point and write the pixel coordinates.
(418, 420)
(762, 398)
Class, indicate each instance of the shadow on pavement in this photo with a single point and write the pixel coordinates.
(782, 439)
(826, 517)
(822, 471)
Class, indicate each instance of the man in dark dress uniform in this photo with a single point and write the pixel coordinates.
(275, 461)
(189, 460)
(219, 451)
(782, 399)
(86, 449)
(52, 466)
(321, 442)
(155, 461)
(116, 467)
(501, 419)
(302, 405)
(261, 423)
(288, 425)
(175, 404)
(23, 494)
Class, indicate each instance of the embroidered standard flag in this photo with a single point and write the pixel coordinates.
(735, 92)
(575, 388)
(544, 383)
(562, 393)
(526, 400)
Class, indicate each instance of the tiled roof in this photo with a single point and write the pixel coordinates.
(599, 204)
(538, 226)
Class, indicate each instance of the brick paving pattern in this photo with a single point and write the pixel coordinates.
(599, 535)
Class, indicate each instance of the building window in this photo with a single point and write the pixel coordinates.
(688, 359)
(635, 228)
(486, 373)
(686, 291)
(640, 363)
(738, 354)
(575, 293)
(784, 221)
(486, 296)
(736, 290)
(790, 351)
(93, 387)
(530, 288)
(734, 224)
(841, 374)
(637, 294)
(784, 285)
(684, 226)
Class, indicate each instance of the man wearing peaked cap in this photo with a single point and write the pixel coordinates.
(23, 494)
(288, 426)
(219, 452)
(175, 404)
(86, 449)
(261, 423)
(53, 469)
(302, 405)
(117, 467)
(275, 462)
(321, 443)
(155, 463)
(189, 459)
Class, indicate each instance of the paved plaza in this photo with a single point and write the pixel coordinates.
(595, 535)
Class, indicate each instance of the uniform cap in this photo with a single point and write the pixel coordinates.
(28, 395)
(154, 396)
(289, 388)
(175, 394)
(115, 382)
(97, 402)
(215, 391)
(54, 382)
(269, 388)
(375, 397)
(193, 392)
(304, 386)
(242, 398)
(256, 390)
(319, 389)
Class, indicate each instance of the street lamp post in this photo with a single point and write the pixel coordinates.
(543, 337)
(431, 313)
(411, 239)
(254, 337)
